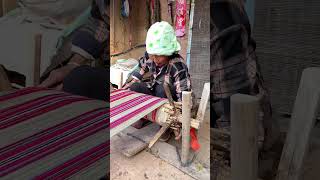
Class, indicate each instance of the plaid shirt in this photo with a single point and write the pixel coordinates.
(175, 73)
(92, 40)
(234, 65)
(230, 73)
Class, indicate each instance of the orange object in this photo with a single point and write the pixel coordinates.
(194, 140)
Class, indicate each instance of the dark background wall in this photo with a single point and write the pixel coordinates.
(288, 40)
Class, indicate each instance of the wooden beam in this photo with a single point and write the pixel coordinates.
(8, 5)
(302, 121)
(186, 119)
(244, 137)
(163, 129)
(1, 9)
(203, 103)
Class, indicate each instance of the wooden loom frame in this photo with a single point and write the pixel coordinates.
(186, 121)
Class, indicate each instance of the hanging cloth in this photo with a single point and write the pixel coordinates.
(125, 8)
(181, 11)
(153, 12)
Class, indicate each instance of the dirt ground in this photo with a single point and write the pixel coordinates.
(147, 166)
(142, 166)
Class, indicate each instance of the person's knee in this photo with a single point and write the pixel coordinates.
(140, 87)
(77, 77)
(160, 92)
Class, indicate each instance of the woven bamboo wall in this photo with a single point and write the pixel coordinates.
(288, 40)
(200, 48)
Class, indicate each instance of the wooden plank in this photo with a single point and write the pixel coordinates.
(37, 59)
(1, 9)
(244, 137)
(8, 5)
(203, 102)
(163, 129)
(134, 140)
(186, 117)
(302, 122)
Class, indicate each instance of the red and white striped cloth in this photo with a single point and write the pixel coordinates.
(48, 134)
(127, 107)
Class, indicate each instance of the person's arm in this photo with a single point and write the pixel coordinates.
(137, 76)
(86, 46)
(182, 80)
(143, 68)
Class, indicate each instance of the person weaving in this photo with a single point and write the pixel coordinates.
(90, 42)
(163, 62)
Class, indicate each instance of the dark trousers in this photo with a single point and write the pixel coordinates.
(157, 90)
(89, 82)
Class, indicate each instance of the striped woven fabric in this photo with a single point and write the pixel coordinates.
(127, 107)
(48, 134)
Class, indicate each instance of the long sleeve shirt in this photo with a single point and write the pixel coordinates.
(92, 40)
(175, 73)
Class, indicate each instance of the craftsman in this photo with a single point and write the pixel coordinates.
(89, 42)
(164, 64)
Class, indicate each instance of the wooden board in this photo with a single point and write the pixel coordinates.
(1, 11)
(133, 141)
(302, 122)
(203, 102)
(244, 137)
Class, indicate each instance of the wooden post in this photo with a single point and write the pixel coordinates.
(8, 5)
(37, 59)
(244, 137)
(302, 121)
(186, 119)
(1, 8)
(203, 103)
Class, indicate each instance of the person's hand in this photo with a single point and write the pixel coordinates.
(57, 76)
(127, 86)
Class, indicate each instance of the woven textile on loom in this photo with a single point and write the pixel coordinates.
(127, 107)
(48, 134)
